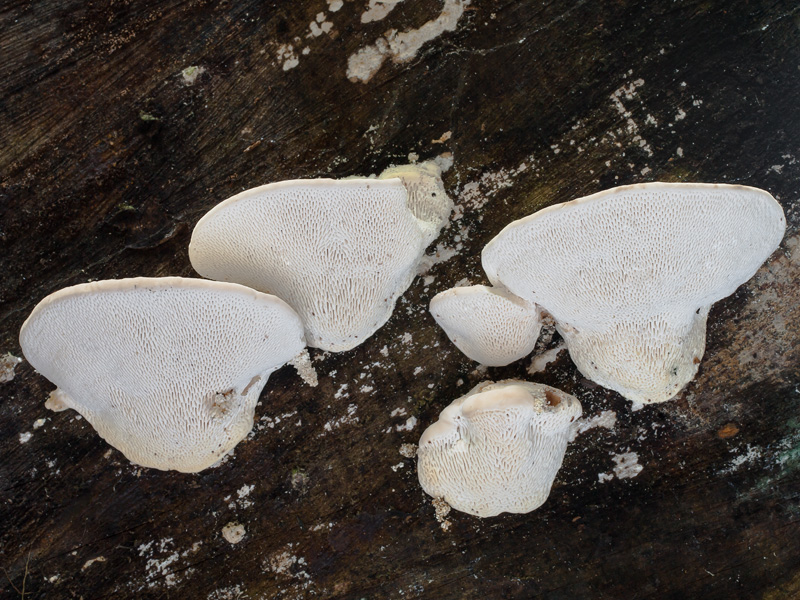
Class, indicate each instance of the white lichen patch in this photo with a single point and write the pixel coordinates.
(190, 74)
(626, 465)
(363, 65)
(408, 450)
(410, 423)
(476, 194)
(39, 423)
(24, 437)
(242, 497)
(749, 456)
(606, 419)
(403, 46)
(319, 26)
(194, 548)
(540, 361)
(629, 92)
(267, 421)
(287, 564)
(91, 561)
(626, 92)
(442, 253)
(160, 565)
(378, 9)
(233, 532)
(8, 362)
(231, 592)
(287, 56)
(348, 419)
(399, 465)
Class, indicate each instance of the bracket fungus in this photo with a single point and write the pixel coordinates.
(167, 370)
(489, 325)
(629, 274)
(498, 448)
(340, 252)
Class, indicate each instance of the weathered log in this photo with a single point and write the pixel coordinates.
(121, 124)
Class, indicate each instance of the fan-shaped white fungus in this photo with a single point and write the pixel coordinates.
(629, 274)
(167, 370)
(489, 325)
(339, 252)
(498, 448)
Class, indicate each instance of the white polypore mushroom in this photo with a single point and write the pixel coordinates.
(339, 252)
(489, 325)
(630, 273)
(498, 448)
(167, 370)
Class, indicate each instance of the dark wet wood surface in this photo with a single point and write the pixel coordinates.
(109, 157)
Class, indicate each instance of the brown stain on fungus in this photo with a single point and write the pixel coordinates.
(728, 431)
(551, 398)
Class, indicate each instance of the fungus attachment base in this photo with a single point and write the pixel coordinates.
(646, 361)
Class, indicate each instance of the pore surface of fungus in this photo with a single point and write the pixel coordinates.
(498, 448)
(167, 370)
(630, 273)
(339, 252)
(489, 325)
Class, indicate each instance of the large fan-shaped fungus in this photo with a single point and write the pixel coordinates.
(167, 370)
(630, 274)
